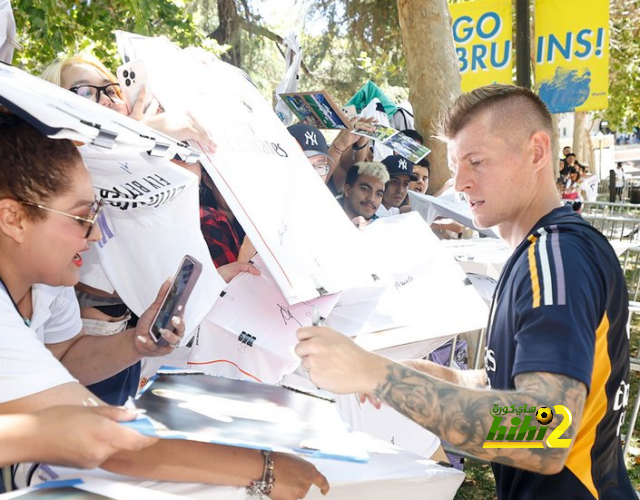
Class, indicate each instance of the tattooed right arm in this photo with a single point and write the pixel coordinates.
(459, 414)
(466, 378)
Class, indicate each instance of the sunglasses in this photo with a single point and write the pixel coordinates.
(87, 222)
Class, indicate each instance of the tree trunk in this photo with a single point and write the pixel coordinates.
(228, 31)
(592, 154)
(432, 73)
(579, 127)
(555, 144)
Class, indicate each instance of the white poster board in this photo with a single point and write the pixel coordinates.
(427, 293)
(450, 205)
(251, 331)
(307, 243)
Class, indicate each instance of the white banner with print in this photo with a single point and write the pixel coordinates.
(149, 222)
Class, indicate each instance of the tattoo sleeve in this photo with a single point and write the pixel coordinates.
(461, 415)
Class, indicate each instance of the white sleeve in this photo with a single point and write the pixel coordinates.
(65, 322)
(26, 365)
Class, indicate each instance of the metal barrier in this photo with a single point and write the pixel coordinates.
(617, 221)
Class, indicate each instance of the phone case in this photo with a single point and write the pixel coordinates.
(175, 300)
(132, 77)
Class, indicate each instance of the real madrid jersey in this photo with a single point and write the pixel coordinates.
(561, 307)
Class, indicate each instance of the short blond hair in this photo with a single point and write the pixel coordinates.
(53, 72)
(512, 103)
(373, 168)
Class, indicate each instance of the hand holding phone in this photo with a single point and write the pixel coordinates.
(132, 77)
(176, 299)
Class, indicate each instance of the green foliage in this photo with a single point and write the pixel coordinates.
(624, 67)
(48, 28)
(361, 40)
(357, 40)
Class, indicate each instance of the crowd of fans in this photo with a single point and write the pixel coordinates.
(94, 335)
(47, 219)
(576, 183)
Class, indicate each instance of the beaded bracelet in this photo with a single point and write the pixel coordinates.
(262, 488)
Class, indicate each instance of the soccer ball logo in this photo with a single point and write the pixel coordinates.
(544, 415)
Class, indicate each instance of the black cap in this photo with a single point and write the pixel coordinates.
(310, 139)
(399, 165)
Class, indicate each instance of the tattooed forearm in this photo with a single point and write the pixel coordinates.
(465, 378)
(461, 415)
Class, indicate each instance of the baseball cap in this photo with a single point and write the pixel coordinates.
(310, 139)
(399, 165)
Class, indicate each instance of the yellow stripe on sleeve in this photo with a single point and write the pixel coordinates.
(533, 269)
(595, 408)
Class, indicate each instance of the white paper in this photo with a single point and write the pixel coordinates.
(307, 243)
(485, 256)
(448, 205)
(253, 309)
(289, 83)
(110, 489)
(7, 32)
(150, 222)
(427, 290)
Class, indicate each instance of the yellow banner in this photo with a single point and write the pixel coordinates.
(482, 35)
(572, 54)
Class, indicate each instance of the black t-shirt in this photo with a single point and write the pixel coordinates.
(561, 306)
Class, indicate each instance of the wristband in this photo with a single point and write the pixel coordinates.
(355, 146)
(262, 488)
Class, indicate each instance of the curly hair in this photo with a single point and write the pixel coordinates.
(33, 167)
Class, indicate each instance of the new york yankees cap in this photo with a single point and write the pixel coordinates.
(399, 165)
(310, 139)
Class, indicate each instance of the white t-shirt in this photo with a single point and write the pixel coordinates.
(26, 365)
(589, 185)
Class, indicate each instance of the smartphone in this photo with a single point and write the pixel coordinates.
(176, 299)
(350, 111)
(132, 77)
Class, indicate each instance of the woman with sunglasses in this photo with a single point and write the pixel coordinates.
(47, 220)
(40, 276)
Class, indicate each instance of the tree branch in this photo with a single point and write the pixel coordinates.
(256, 29)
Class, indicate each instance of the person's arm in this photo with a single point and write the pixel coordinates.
(178, 460)
(230, 271)
(341, 151)
(92, 359)
(180, 126)
(459, 415)
(466, 378)
(247, 250)
(68, 435)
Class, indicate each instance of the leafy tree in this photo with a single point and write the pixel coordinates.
(49, 27)
(624, 78)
